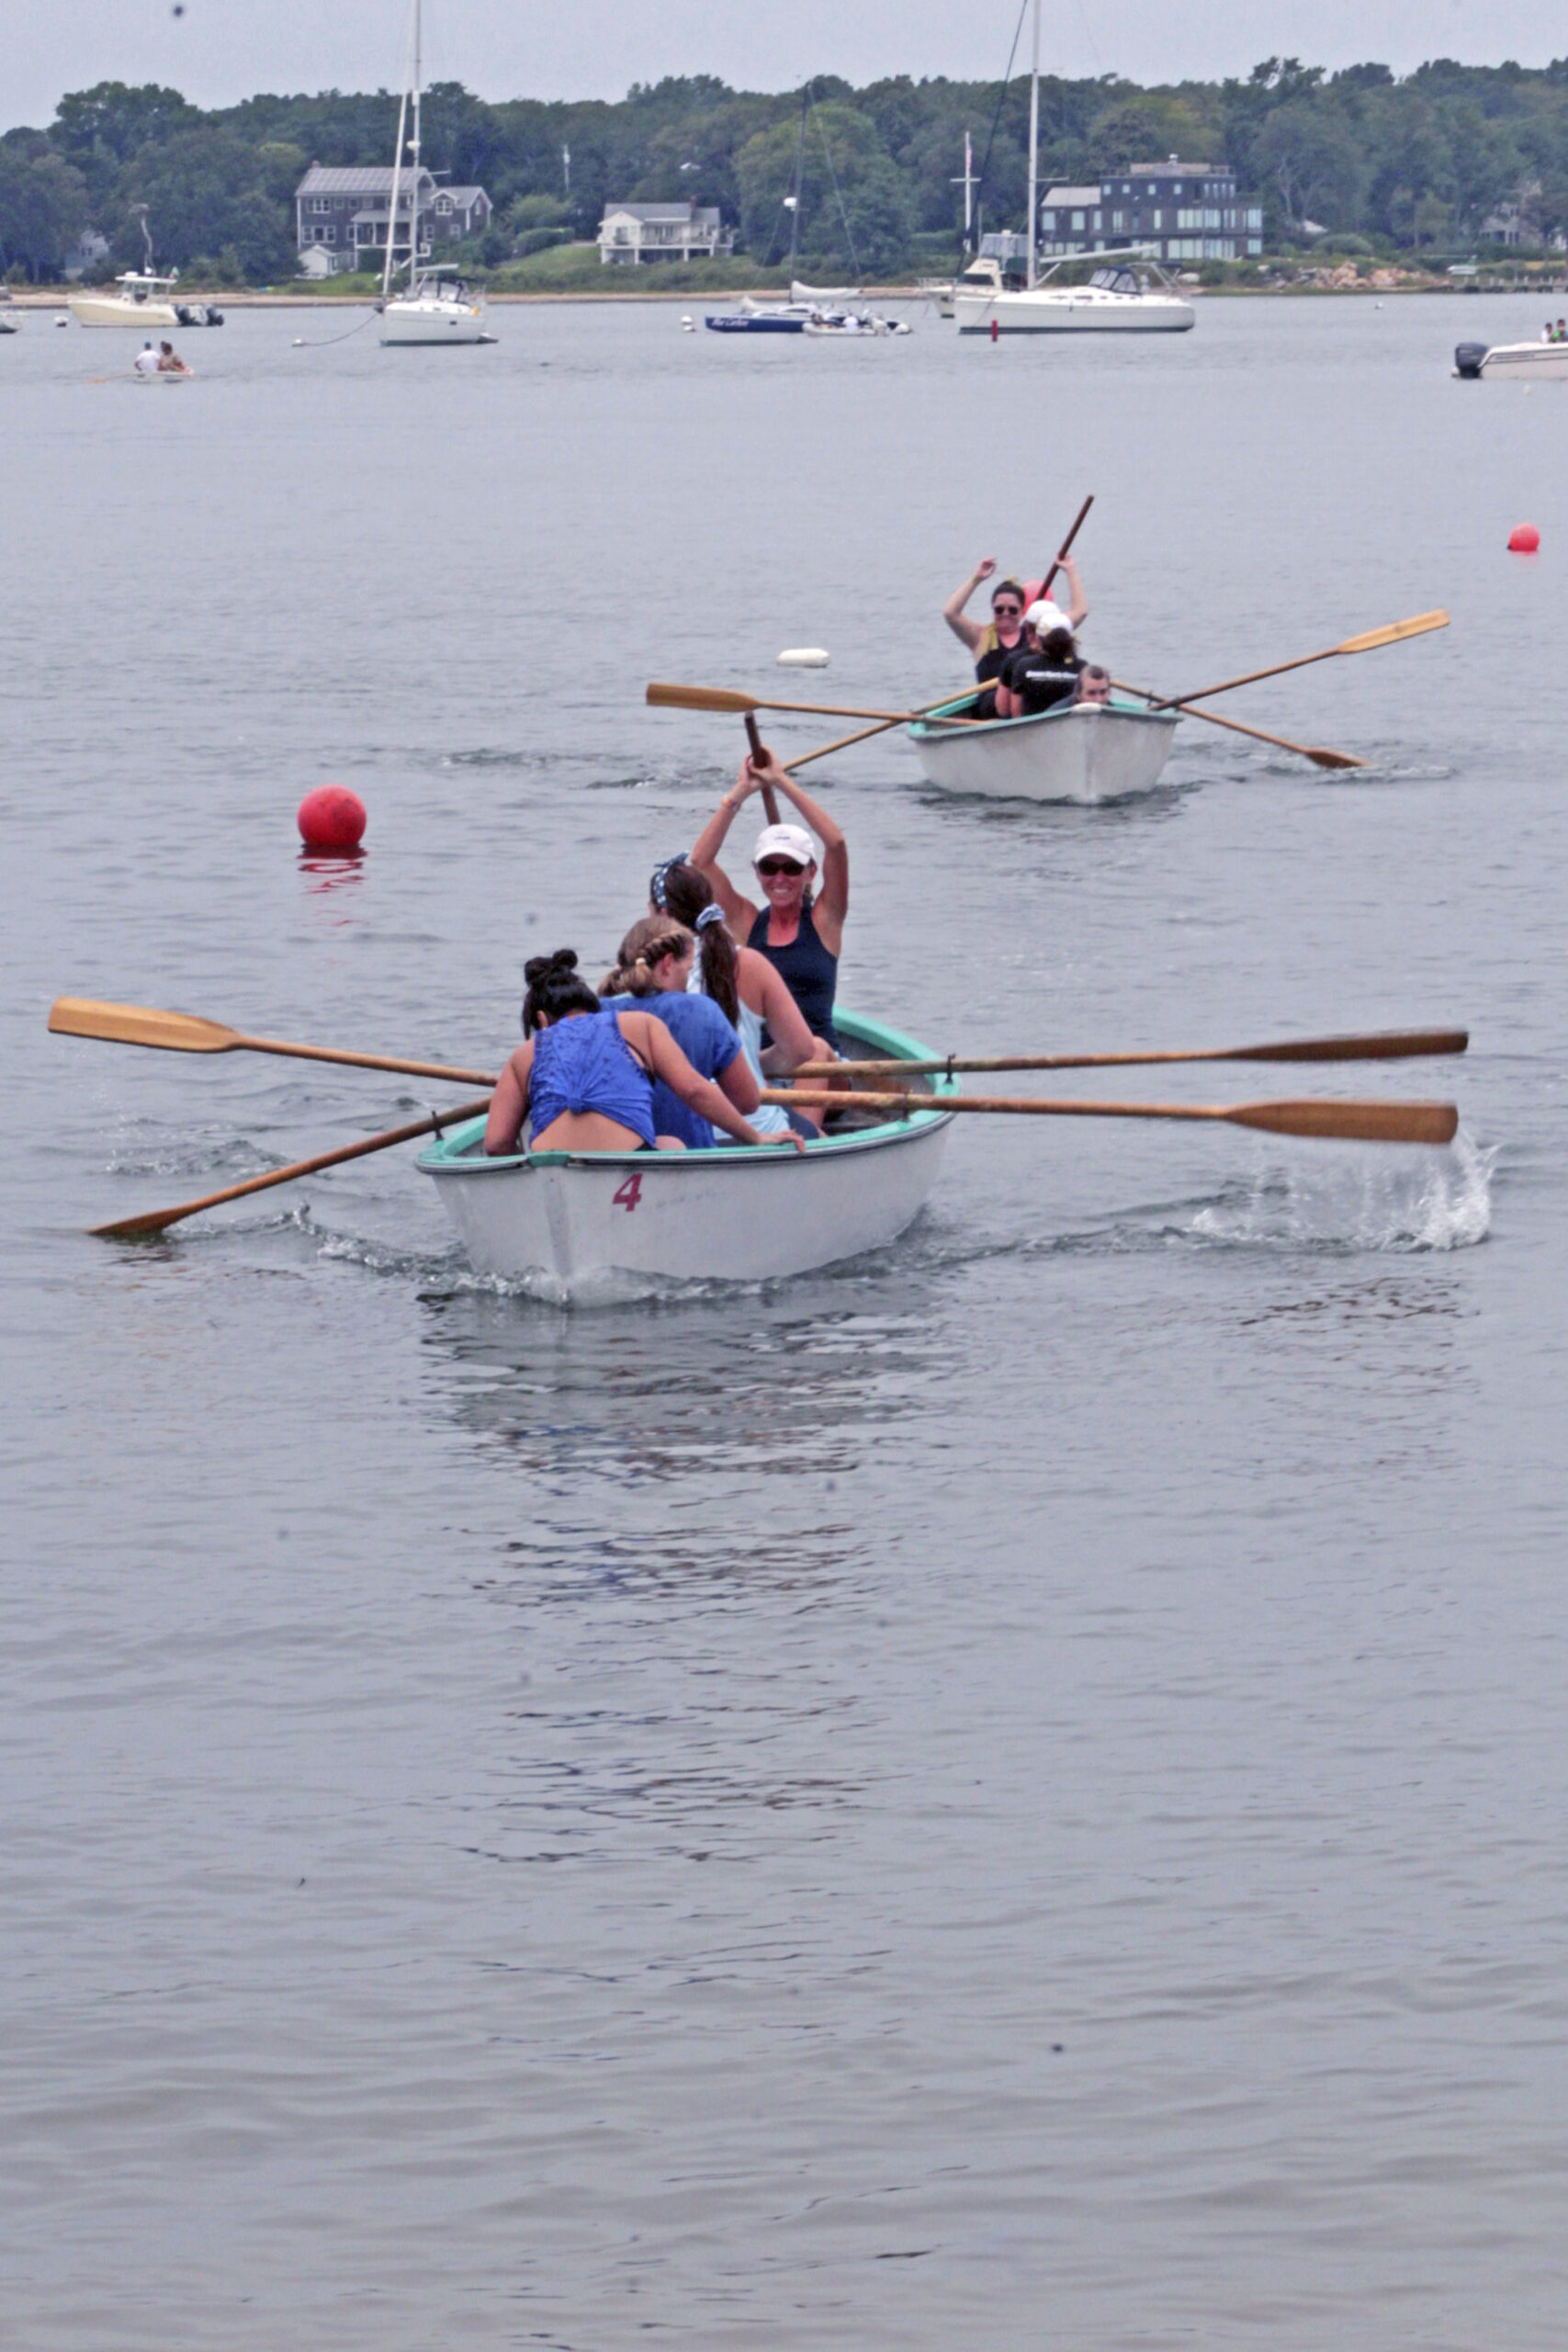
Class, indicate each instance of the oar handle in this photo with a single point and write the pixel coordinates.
(1067, 547)
(770, 798)
(1421, 1122)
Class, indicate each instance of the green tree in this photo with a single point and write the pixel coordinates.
(206, 191)
(98, 129)
(43, 206)
(855, 212)
(1310, 155)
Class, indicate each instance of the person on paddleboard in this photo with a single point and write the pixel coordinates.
(800, 934)
(746, 987)
(652, 968)
(586, 1074)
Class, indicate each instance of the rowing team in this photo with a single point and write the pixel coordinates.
(1027, 660)
(715, 996)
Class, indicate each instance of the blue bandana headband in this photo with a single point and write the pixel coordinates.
(656, 891)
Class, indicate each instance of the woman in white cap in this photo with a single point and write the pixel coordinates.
(1045, 672)
(801, 935)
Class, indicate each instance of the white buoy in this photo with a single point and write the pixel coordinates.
(689, 326)
(802, 657)
(63, 323)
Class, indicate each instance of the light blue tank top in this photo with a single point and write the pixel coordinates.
(584, 1064)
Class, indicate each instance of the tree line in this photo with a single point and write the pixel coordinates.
(1370, 159)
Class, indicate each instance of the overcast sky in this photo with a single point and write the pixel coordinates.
(218, 50)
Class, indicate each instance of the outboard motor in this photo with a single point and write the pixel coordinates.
(1468, 358)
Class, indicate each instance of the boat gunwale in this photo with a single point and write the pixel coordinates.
(451, 1154)
(921, 730)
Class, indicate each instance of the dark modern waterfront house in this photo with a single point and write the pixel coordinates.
(1182, 211)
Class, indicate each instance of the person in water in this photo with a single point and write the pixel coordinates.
(747, 988)
(586, 1075)
(652, 969)
(801, 935)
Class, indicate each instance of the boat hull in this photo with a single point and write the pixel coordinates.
(602, 1224)
(1085, 311)
(115, 310)
(738, 325)
(1545, 363)
(427, 323)
(1081, 752)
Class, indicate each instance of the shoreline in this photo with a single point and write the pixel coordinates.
(47, 298)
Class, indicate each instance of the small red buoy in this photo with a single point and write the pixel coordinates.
(995, 330)
(332, 817)
(1523, 539)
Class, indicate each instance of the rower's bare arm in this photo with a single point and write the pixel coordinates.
(739, 1084)
(739, 913)
(792, 1039)
(508, 1104)
(652, 1040)
(1077, 611)
(968, 632)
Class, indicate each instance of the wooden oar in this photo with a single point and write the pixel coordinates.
(1378, 1046)
(770, 798)
(1067, 547)
(1347, 1122)
(725, 698)
(862, 734)
(186, 1033)
(1394, 634)
(1318, 753)
(136, 1228)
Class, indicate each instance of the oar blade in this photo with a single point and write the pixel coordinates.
(1322, 757)
(1394, 634)
(1373, 1045)
(138, 1228)
(139, 1024)
(667, 697)
(1429, 1122)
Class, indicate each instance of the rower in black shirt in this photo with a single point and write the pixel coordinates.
(1037, 681)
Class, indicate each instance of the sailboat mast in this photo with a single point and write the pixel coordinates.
(1034, 148)
(413, 201)
(799, 169)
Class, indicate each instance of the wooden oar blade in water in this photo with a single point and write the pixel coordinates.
(141, 1024)
(1430, 1123)
(1378, 1046)
(1320, 754)
(152, 1221)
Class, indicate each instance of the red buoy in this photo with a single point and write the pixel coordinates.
(332, 817)
(1523, 539)
(995, 330)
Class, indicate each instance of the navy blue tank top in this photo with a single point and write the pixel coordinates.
(584, 1064)
(808, 971)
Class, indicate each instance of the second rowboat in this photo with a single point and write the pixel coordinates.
(1083, 752)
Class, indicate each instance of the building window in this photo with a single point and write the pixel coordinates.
(321, 204)
(329, 235)
(1078, 219)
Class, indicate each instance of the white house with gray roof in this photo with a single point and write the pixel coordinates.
(630, 233)
(342, 215)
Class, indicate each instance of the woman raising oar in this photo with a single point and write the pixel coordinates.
(802, 935)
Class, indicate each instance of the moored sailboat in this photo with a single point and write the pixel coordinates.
(435, 306)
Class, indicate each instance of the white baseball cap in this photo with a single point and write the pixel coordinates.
(1045, 615)
(784, 841)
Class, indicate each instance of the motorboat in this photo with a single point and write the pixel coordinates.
(437, 307)
(1529, 363)
(763, 318)
(1127, 294)
(977, 279)
(10, 319)
(1079, 751)
(142, 301)
(198, 315)
(587, 1225)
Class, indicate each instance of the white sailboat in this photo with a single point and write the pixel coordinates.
(435, 306)
(1119, 299)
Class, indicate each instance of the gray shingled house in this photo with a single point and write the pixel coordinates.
(342, 213)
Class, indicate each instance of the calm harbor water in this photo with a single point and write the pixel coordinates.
(1008, 1793)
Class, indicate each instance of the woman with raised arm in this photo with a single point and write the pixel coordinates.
(801, 935)
(586, 1074)
(747, 988)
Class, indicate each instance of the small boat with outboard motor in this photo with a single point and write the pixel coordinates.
(761, 318)
(574, 1225)
(1080, 751)
(1523, 363)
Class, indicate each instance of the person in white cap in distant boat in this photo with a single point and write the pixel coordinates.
(1046, 670)
(801, 935)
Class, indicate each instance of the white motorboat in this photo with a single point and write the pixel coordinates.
(435, 306)
(595, 1224)
(1128, 294)
(1082, 751)
(1529, 363)
(142, 301)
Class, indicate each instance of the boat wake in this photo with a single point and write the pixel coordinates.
(1350, 1199)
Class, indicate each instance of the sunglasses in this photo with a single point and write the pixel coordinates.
(1007, 612)
(768, 866)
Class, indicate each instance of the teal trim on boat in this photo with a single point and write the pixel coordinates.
(885, 1044)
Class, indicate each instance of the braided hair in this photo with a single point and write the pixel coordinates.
(646, 944)
(555, 989)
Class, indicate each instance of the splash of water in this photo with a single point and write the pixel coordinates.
(1349, 1198)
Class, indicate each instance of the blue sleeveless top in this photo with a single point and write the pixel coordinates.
(709, 1044)
(584, 1064)
(809, 972)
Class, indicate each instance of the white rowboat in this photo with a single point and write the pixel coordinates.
(603, 1224)
(1084, 751)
